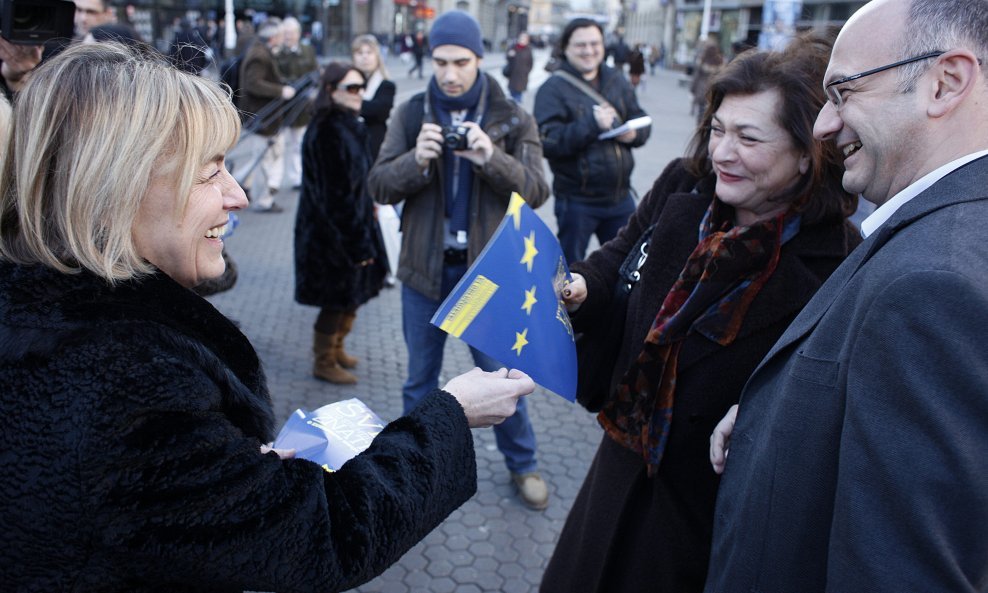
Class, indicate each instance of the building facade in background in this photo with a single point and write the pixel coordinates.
(673, 26)
(331, 24)
(742, 21)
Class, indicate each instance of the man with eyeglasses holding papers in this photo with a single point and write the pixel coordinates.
(581, 109)
(857, 461)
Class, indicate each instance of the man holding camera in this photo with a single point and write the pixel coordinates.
(453, 155)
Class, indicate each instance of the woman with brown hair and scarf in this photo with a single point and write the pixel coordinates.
(746, 228)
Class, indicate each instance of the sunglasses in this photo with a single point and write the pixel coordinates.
(353, 89)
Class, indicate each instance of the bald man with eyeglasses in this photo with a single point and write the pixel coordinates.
(857, 455)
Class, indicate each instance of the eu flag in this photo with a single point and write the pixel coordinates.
(508, 303)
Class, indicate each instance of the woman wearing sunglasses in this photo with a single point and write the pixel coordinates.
(340, 261)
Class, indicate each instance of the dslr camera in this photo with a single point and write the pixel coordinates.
(455, 137)
(33, 22)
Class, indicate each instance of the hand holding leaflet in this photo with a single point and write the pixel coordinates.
(331, 435)
(634, 124)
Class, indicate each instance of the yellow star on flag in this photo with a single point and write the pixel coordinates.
(530, 251)
(514, 208)
(530, 300)
(521, 340)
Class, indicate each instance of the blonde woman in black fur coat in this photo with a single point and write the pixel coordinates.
(340, 261)
(132, 412)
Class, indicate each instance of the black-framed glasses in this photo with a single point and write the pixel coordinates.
(833, 93)
(353, 89)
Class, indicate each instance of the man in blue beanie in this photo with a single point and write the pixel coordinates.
(453, 155)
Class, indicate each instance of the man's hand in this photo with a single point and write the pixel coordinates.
(480, 149)
(489, 398)
(287, 92)
(720, 440)
(628, 137)
(18, 60)
(575, 292)
(606, 117)
(428, 145)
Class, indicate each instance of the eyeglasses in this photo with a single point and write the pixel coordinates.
(833, 93)
(353, 89)
(586, 45)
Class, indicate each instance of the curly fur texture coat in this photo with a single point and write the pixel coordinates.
(335, 228)
(131, 420)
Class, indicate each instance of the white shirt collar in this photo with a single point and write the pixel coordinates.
(372, 85)
(886, 210)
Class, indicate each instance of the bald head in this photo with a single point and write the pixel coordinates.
(899, 121)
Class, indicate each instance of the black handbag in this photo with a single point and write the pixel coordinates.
(597, 348)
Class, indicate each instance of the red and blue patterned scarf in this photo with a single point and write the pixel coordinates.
(711, 296)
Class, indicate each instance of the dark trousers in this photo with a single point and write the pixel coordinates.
(577, 222)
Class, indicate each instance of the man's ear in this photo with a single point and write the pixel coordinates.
(954, 76)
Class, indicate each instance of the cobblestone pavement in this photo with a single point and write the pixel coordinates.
(492, 543)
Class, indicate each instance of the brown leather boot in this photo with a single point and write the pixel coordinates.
(326, 367)
(346, 324)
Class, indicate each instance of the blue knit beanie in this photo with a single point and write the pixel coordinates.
(457, 28)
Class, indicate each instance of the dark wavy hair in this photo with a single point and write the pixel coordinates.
(797, 73)
(332, 74)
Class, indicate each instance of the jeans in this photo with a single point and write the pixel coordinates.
(515, 436)
(577, 221)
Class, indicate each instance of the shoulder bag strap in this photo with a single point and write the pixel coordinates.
(581, 85)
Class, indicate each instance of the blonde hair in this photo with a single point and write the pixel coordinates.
(91, 129)
(4, 125)
(370, 41)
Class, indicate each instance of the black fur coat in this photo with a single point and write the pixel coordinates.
(335, 228)
(131, 420)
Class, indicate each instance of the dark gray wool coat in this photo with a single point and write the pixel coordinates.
(335, 228)
(131, 420)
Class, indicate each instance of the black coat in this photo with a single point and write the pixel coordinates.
(376, 112)
(519, 66)
(131, 420)
(335, 228)
(627, 532)
(188, 50)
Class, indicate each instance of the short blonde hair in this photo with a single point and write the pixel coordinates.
(91, 129)
(4, 125)
(371, 42)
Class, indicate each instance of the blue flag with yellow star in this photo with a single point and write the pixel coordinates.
(508, 303)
